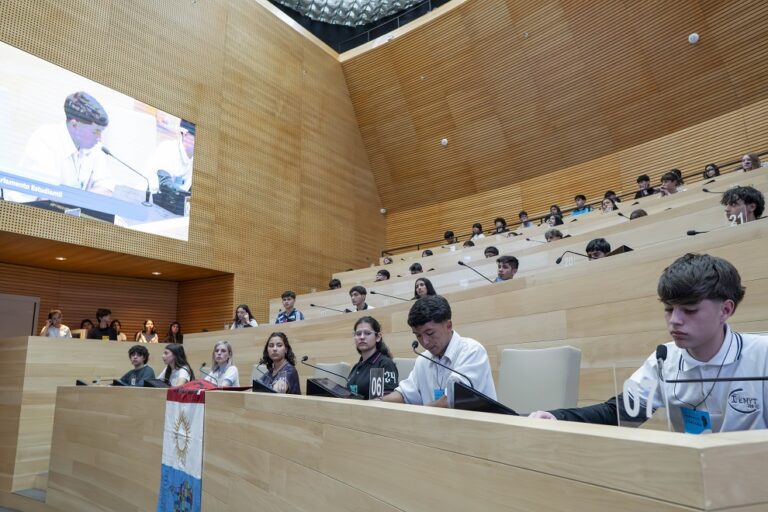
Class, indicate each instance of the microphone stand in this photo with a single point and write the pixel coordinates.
(475, 271)
(330, 309)
(390, 296)
(415, 345)
(146, 201)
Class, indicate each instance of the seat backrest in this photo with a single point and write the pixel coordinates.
(258, 371)
(404, 367)
(539, 379)
(341, 368)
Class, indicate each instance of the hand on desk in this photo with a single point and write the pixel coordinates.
(542, 415)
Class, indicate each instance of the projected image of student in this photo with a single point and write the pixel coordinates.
(139, 356)
(223, 372)
(699, 293)
(280, 361)
(428, 383)
(170, 166)
(69, 153)
(374, 353)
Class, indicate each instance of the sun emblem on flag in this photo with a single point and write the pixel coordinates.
(182, 436)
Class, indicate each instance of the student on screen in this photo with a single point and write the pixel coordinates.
(699, 294)
(53, 327)
(70, 153)
(280, 361)
(374, 353)
(428, 383)
(223, 372)
(139, 356)
(170, 166)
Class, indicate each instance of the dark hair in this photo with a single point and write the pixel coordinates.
(552, 233)
(523, 212)
(174, 338)
(334, 284)
(613, 203)
(85, 321)
(115, 321)
(749, 195)
(153, 325)
(643, 177)
(101, 313)
(380, 345)
(671, 176)
(636, 214)
(415, 268)
(246, 309)
(500, 219)
(359, 289)
(53, 312)
(509, 260)
(288, 294)
(141, 350)
(713, 167)
(492, 250)
(383, 272)
(432, 308)
(478, 226)
(599, 244)
(468, 243)
(609, 194)
(180, 360)
(426, 252)
(427, 283)
(754, 159)
(695, 277)
(580, 196)
(449, 235)
(289, 355)
(679, 175)
(558, 218)
(557, 208)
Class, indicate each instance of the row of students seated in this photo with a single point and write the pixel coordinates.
(108, 329)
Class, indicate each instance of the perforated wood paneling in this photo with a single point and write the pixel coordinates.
(283, 193)
(530, 92)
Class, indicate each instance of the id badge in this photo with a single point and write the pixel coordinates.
(438, 393)
(696, 422)
(353, 388)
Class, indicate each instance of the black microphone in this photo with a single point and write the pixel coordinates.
(620, 214)
(560, 259)
(661, 356)
(332, 309)
(415, 345)
(304, 362)
(109, 153)
(693, 232)
(512, 233)
(475, 271)
(539, 241)
(390, 296)
(208, 374)
(711, 191)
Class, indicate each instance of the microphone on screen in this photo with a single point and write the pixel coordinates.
(146, 202)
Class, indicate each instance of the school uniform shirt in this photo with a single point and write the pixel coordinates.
(226, 376)
(295, 315)
(360, 375)
(463, 354)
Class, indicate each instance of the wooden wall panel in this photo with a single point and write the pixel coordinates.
(530, 92)
(205, 304)
(131, 300)
(283, 191)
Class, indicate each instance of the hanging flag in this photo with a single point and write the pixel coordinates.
(181, 473)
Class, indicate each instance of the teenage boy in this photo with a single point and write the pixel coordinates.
(289, 312)
(581, 206)
(699, 293)
(358, 294)
(598, 248)
(507, 268)
(524, 222)
(669, 183)
(103, 329)
(139, 356)
(382, 275)
(644, 187)
(743, 204)
(428, 383)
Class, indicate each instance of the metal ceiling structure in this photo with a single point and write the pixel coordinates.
(351, 13)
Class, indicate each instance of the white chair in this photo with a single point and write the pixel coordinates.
(258, 371)
(404, 367)
(539, 379)
(341, 368)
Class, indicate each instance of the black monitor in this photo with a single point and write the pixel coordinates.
(118, 382)
(156, 383)
(260, 387)
(79, 382)
(469, 399)
(326, 387)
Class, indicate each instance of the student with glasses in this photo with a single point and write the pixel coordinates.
(374, 353)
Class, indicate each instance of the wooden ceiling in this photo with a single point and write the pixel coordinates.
(524, 88)
(35, 252)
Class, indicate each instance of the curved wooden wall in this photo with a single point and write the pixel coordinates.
(283, 191)
(523, 89)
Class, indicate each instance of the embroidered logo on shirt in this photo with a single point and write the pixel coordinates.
(740, 402)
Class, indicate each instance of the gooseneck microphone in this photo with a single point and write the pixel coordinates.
(620, 214)
(415, 345)
(304, 362)
(146, 201)
(661, 356)
(537, 241)
(208, 374)
(331, 309)
(390, 296)
(560, 259)
(693, 232)
(474, 270)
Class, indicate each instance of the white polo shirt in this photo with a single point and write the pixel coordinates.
(737, 405)
(463, 354)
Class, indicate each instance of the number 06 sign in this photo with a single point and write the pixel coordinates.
(376, 387)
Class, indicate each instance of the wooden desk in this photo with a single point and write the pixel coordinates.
(269, 452)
